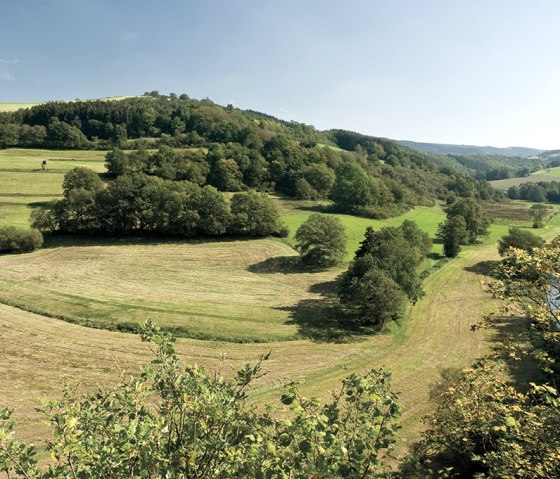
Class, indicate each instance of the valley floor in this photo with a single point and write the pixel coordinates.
(40, 354)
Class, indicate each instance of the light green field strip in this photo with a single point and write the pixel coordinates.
(7, 106)
(426, 218)
(40, 183)
(550, 172)
(17, 159)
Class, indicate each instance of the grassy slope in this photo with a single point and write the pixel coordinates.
(8, 106)
(24, 185)
(550, 172)
(40, 352)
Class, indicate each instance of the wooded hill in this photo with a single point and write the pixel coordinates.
(182, 139)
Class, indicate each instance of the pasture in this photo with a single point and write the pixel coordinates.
(10, 106)
(534, 178)
(24, 185)
(233, 299)
(550, 172)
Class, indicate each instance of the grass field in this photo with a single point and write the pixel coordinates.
(550, 174)
(225, 295)
(534, 178)
(24, 185)
(40, 353)
(7, 106)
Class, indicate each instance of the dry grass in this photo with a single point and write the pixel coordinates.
(230, 290)
(534, 178)
(40, 353)
(8, 106)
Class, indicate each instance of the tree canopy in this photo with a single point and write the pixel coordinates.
(321, 240)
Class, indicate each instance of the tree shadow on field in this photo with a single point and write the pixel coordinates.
(60, 240)
(522, 367)
(484, 268)
(323, 319)
(282, 264)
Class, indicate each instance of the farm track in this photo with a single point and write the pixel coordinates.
(40, 354)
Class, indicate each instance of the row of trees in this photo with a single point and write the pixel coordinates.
(138, 203)
(540, 192)
(383, 274)
(243, 149)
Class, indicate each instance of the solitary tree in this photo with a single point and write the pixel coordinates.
(539, 214)
(453, 233)
(373, 298)
(476, 219)
(81, 178)
(321, 240)
(352, 187)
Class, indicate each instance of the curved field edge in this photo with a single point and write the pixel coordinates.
(40, 354)
(231, 290)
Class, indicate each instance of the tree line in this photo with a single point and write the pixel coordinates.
(139, 203)
(234, 150)
(538, 192)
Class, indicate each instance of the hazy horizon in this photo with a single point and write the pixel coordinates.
(469, 74)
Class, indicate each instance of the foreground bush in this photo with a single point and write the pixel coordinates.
(181, 422)
(14, 240)
(484, 428)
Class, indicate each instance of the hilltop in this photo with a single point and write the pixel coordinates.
(449, 149)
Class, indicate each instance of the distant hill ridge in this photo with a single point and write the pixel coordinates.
(445, 149)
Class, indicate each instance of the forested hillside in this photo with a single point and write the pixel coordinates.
(180, 139)
(446, 149)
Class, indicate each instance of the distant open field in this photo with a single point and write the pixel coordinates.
(534, 178)
(7, 106)
(551, 172)
(24, 185)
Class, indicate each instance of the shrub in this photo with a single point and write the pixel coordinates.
(14, 240)
(521, 239)
(181, 422)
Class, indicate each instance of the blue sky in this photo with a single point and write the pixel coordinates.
(464, 71)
